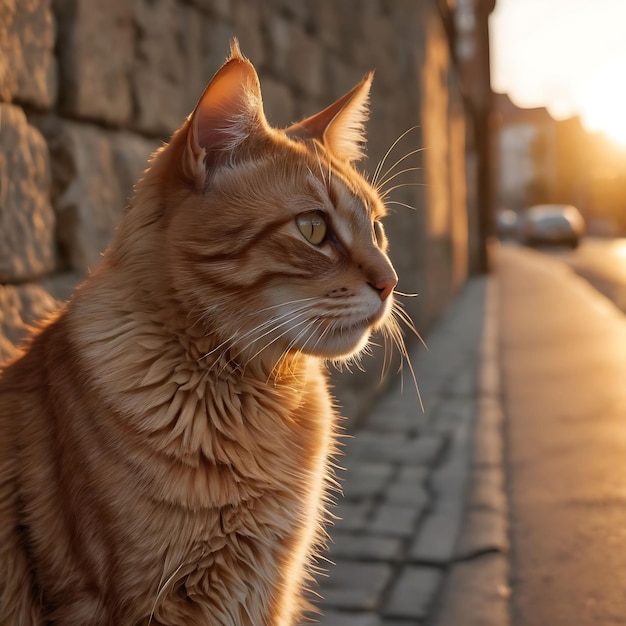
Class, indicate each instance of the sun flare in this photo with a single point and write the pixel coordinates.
(604, 102)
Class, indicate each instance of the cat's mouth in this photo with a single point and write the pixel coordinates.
(358, 327)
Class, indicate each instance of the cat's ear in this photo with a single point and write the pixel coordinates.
(229, 111)
(341, 126)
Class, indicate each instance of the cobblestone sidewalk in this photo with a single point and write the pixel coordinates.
(421, 536)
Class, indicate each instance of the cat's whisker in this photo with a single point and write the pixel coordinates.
(405, 295)
(272, 320)
(330, 172)
(273, 329)
(320, 321)
(402, 204)
(291, 344)
(404, 317)
(388, 191)
(396, 334)
(381, 163)
(268, 344)
(387, 353)
(276, 306)
(323, 334)
(380, 188)
(319, 162)
(273, 323)
(400, 160)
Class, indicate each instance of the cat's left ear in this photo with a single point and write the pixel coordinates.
(341, 126)
(229, 111)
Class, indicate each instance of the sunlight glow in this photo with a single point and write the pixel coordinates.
(604, 102)
(618, 249)
(566, 55)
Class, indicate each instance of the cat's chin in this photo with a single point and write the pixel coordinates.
(341, 345)
(344, 341)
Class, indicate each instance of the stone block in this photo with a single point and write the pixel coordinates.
(395, 519)
(437, 537)
(413, 475)
(365, 480)
(278, 102)
(27, 220)
(336, 618)
(476, 593)
(27, 35)
(392, 422)
(247, 26)
(364, 547)
(395, 447)
(453, 414)
(407, 494)
(377, 49)
(169, 51)
(355, 586)
(298, 11)
(324, 19)
(351, 516)
(61, 285)
(297, 57)
(88, 199)
(464, 382)
(414, 592)
(217, 8)
(307, 52)
(450, 480)
(20, 307)
(96, 49)
(130, 159)
(216, 36)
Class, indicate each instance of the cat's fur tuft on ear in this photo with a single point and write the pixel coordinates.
(340, 126)
(229, 110)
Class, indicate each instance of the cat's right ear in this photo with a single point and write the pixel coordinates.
(229, 110)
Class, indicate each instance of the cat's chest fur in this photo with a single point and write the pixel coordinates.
(200, 487)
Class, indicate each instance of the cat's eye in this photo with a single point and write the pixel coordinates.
(313, 227)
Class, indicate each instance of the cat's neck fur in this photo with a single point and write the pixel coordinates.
(147, 289)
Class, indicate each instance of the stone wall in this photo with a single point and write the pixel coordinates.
(88, 89)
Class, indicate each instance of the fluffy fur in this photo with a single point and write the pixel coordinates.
(165, 439)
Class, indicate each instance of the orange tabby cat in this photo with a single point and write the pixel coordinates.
(165, 439)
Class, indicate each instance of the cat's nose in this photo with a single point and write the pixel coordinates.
(385, 286)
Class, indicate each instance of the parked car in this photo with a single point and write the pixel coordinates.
(552, 224)
(506, 224)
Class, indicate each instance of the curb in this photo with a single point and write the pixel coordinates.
(476, 590)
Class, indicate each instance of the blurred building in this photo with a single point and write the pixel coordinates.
(525, 141)
(544, 160)
(467, 26)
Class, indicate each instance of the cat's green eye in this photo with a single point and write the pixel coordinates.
(313, 227)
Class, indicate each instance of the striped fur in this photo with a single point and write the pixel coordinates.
(165, 440)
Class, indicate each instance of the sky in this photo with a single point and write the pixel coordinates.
(566, 55)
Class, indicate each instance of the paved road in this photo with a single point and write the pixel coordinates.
(603, 263)
(563, 356)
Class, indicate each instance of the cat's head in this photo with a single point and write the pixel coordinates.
(273, 240)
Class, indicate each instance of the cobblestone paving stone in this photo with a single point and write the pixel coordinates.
(423, 508)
